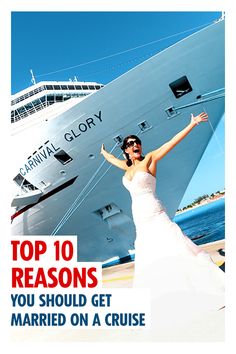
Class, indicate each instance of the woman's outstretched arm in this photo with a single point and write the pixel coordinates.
(113, 160)
(164, 149)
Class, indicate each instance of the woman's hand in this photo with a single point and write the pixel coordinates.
(112, 159)
(159, 153)
(202, 117)
(103, 149)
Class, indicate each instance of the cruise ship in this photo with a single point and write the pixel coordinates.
(61, 183)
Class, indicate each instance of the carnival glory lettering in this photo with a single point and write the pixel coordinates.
(83, 127)
(50, 149)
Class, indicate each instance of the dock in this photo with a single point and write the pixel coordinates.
(121, 276)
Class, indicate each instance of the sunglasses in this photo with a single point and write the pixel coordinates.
(132, 142)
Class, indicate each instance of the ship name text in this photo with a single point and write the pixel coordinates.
(49, 149)
(39, 157)
(83, 127)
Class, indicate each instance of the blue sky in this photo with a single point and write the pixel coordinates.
(89, 42)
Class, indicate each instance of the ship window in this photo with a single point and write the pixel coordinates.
(78, 87)
(56, 87)
(91, 87)
(118, 139)
(63, 157)
(23, 183)
(49, 87)
(71, 87)
(19, 179)
(50, 97)
(36, 102)
(85, 87)
(59, 98)
(180, 87)
(29, 105)
(66, 97)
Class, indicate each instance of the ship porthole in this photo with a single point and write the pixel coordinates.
(91, 156)
(63, 172)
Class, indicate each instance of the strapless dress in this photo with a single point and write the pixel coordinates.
(166, 260)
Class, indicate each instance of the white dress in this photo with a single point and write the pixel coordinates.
(177, 271)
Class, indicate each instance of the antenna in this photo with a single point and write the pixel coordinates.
(32, 77)
(222, 15)
(222, 18)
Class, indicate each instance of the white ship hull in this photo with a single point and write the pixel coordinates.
(79, 128)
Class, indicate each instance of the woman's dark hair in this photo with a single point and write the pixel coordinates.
(124, 146)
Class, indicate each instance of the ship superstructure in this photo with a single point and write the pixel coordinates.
(45, 94)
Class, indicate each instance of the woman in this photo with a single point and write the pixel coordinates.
(165, 259)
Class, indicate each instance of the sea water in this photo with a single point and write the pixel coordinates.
(202, 225)
(205, 223)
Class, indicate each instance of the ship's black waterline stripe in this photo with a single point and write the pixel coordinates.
(45, 196)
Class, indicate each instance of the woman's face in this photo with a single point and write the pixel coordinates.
(133, 148)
